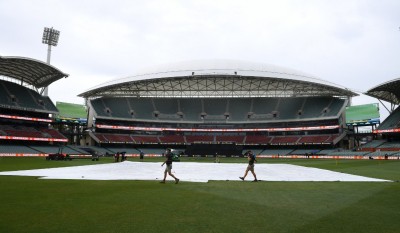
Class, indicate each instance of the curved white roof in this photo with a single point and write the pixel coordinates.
(30, 71)
(227, 77)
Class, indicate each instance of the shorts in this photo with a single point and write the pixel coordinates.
(250, 167)
(168, 168)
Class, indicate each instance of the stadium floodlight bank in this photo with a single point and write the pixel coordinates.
(50, 36)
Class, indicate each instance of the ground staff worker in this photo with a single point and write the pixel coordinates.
(250, 167)
(168, 168)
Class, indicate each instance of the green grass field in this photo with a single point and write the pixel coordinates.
(29, 204)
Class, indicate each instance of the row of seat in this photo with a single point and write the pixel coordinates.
(392, 121)
(31, 132)
(239, 139)
(17, 96)
(377, 145)
(10, 149)
(218, 109)
(32, 149)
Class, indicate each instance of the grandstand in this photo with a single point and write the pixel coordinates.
(391, 124)
(26, 117)
(224, 110)
(387, 137)
(217, 104)
(18, 97)
(389, 92)
(199, 107)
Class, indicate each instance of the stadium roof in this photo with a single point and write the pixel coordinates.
(218, 78)
(388, 91)
(30, 71)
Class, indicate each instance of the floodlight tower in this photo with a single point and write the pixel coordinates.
(50, 37)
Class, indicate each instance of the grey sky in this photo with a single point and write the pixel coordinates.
(355, 44)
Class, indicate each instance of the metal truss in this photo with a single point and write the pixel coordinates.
(214, 86)
(29, 72)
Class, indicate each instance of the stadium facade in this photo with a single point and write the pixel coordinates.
(222, 105)
(199, 107)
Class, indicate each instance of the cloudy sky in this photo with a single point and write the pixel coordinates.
(355, 44)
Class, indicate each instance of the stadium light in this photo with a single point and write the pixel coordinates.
(50, 37)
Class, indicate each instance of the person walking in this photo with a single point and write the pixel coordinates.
(168, 168)
(251, 158)
(141, 155)
(216, 158)
(116, 157)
